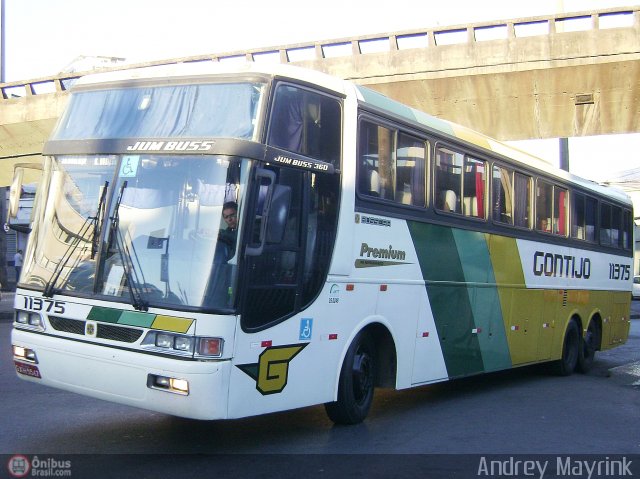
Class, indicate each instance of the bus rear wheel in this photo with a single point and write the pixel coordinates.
(356, 383)
(570, 350)
(588, 346)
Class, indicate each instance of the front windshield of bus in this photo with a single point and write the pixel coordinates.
(221, 110)
(168, 237)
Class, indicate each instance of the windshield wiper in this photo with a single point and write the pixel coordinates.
(98, 221)
(128, 267)
(49, 289)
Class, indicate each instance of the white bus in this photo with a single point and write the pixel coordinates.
(218, 242)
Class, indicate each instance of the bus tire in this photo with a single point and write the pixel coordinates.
(356, 383)
(588, 347)
(570, 350)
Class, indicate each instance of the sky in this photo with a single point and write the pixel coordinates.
(43, 37)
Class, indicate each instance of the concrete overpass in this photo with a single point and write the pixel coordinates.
(553, 76)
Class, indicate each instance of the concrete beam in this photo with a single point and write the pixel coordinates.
(25, 125)
(562, 102)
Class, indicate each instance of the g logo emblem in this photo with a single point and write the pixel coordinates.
(272, 371)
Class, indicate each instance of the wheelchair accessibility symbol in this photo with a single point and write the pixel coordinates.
(306, 329)
(129, 166)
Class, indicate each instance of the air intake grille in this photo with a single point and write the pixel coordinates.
(118, 333)
(66, 325)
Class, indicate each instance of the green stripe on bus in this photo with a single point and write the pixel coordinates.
(484, 299)
(449, 298)
(134, 318)
(106, 315)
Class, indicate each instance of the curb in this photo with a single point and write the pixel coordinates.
(628, 374)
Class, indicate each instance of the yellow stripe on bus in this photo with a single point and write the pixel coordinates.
(172, 323)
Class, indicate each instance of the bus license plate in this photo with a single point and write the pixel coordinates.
(27, 370)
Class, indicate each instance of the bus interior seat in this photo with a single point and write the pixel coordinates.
(372, 182)
(471, 206)
(449, 201)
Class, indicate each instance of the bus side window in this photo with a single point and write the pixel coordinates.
(448, 179)
(605, 224)
(560, 197)
(502, 195)
(474, 185)
(522, 200)
(616, 224)
(411, 159)
(377, 161)
(578, 216)
(627, 229)
(306, 122)
(544, 206)
(591, 208)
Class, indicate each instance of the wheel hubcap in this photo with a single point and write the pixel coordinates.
(362, 376)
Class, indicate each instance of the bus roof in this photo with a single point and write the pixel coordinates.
(200, 70)
(482, 141)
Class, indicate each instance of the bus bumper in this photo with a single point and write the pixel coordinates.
(126, 377)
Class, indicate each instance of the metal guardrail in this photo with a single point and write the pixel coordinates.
(362, 45)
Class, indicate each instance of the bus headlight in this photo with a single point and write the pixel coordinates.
(180, 345)
(183, 343)
(29, 320)
(22, 317)
(164, 341)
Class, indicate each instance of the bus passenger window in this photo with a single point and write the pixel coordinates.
(448, 180)
(616, 223)
(560, 211)
(591, 208)
(583, 217)
(411, 157)
(544, 203)
(605, 224)
(474, 187)
(577, 216)
(522, 200)
(376, 161)
(502, 195)
(627, 230)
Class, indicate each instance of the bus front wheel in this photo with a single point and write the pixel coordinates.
(356, 383)
(570, 350)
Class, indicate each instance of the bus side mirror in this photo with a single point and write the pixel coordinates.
(15, 191)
